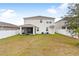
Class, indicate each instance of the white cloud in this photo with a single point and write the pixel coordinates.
(2, 10)
(10, 16)
(63, 6)
(51, 10)
(7, 14)
(58, 11)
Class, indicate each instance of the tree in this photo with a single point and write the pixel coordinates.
(73, 18)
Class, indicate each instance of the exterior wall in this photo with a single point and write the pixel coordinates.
(64, 32)
(59, 24)
(7, 33)
(59, 29)
(42, 26)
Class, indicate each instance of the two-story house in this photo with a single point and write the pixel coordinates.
(61, 27)
(38, 25)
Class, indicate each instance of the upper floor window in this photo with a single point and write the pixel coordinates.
(48, 22)
(68, 27)
(65, 22)
(63, 27)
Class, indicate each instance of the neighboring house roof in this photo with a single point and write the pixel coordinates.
(64, 19)
(28, 25)
(39, 17)
(3, 24)
(61, 20)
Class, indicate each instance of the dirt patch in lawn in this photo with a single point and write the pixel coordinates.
(39, 45)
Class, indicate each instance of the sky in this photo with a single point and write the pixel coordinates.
(15, 12)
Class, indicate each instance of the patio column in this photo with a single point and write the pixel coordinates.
(33, 30)
(20, 30)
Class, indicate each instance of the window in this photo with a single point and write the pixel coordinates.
(63, 27)
(37, 29)
(40, 21)
(48, 22)
(46, 28)
(68, 27)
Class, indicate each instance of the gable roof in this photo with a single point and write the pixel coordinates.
(64, 19)
(60, 21)
(4, 24)
(39, 17)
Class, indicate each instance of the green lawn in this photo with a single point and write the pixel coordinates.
(39, 45)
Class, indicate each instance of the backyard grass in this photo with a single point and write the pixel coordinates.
(39, 45)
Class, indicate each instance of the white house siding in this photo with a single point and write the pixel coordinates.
(7, 33)
(42, 26)
(60, 30)
(63, 31)
(58, 27)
